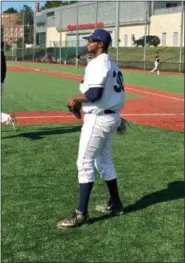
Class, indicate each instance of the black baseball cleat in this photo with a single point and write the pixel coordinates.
(76, 219)
(112, 209)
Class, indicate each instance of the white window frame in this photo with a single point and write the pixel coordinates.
(163, 44)
(125, 37)
(177, 40)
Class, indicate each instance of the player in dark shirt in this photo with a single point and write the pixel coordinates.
(3, 63)
(7, 119)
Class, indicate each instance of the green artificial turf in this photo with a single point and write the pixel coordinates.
(36, 91)
(39, 182)
(39, 187)
(170, 83)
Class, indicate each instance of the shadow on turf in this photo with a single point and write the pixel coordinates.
(175, 190)
(40, 134)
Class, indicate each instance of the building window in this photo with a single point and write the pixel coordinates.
(171, 4)
(50, 14)
(133, 39)
(164, 39)
(40, 24)
(175, 39)
(125, 40)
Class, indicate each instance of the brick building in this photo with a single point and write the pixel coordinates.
(12, 30)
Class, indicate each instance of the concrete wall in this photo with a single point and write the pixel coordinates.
(126, 33)
(53, 37)
(169, 24)
(130, 12)
(166, 26)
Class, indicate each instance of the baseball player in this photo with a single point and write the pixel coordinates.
(102, 97)
(7, 119)
(156, 64)
(77, 61)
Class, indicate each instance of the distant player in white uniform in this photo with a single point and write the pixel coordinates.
(156, 64)
(102, 97)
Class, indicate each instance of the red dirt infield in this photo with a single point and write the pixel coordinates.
(156, 108)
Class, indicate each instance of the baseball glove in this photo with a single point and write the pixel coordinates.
(75, 110)
(123, 127)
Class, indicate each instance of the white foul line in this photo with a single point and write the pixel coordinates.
(126, 114)
(45, 117)
(159, 95)
(152, 114)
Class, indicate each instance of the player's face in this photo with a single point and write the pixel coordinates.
(94, 45)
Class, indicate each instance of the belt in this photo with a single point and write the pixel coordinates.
(109, 112)
(105, 112)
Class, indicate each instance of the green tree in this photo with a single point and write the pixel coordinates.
(10, 10)
(69, 2)
(19, 42)
(26, 18)
(7, 46)
(52, 4)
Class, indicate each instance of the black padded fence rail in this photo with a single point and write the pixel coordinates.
(147, 65)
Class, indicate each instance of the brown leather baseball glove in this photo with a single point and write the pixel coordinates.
(75, 110)
(123, 127)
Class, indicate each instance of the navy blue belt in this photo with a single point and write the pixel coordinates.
(105, 112)
(109, 112)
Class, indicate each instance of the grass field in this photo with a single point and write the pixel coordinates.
(39, 177)
(168, 54)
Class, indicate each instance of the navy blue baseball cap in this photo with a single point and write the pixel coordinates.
(100, 35)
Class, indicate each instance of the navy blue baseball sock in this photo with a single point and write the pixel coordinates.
(113, 191)
(85, 191)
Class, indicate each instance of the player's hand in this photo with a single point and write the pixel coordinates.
(71, 102)
(75, 109)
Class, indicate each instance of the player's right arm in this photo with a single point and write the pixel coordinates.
(94, 80)
(93, 84)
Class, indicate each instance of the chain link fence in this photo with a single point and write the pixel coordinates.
(138, 29)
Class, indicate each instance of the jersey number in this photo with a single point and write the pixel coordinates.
(118, 87)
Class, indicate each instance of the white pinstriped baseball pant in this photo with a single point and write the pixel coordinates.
(95, 147)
